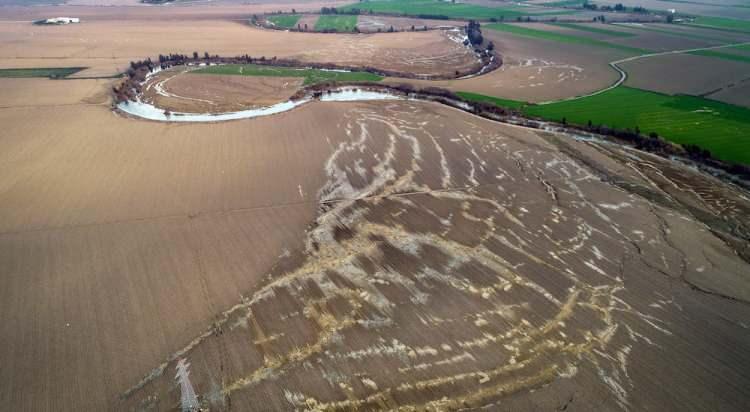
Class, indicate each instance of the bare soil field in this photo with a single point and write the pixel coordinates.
(686, 32)
(425, 53)
(101, 45)
(735, 93)
(367, 23)
(697, 74)
(43, 92)
(381, 255)
(414, 254)
(539, 70)
(658, 42)
(456, 263)
(178, 91)
(721, 8)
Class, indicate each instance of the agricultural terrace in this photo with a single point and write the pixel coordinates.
(447, 10)
(57, 72)
(286, 21)
(722, 23)
(311, 76)
(519, 30)
(341, 23)
(721, 128)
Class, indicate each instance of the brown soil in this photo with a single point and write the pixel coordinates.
(697, 74)
(204, 93)
(421, 53)
(535, 70)
(369, 255)
(108, 46)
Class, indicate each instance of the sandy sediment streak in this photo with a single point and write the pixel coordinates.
(455, 263)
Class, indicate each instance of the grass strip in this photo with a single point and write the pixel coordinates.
(721, 23)
(55, 72)
(475, 97)
(311, 76)
(286, 21)
(720, 55)
(340, 23)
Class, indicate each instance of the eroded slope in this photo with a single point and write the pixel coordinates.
(457, 263)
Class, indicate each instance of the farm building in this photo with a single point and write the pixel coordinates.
(59, 20)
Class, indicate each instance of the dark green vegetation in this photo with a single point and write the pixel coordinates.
(54, 72)
(595, 28)
(444, 9)
(721, 128)
(341, 23)
(311, 76)
(284, 20)
(474, 97)
(720, 55)
(559, 37)
(722, 23)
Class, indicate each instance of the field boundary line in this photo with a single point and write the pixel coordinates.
(624, 74)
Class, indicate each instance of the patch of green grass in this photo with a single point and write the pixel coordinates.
(445, 9)
(342, 23)
(286, 21)
(722, 128)
(722, 23)
(591, 29)
(720, 55)
(311, 76)
(560, 37)
(57, 72)
(564, 3)
(475, 97)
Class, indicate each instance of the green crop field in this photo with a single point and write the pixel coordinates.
(722, 128)
(340, 23)
(722, 23)
(40, 72)
(311, 76)
(724, 56)
(444, 9)
(475, 97)
(284, 20)
(559, 37)
(594, 28)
